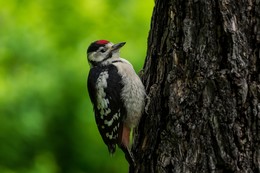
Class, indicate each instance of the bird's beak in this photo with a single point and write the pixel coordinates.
(117, 46)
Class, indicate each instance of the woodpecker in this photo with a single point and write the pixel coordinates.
(117, 95)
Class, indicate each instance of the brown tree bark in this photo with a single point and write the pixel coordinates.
(202, 76)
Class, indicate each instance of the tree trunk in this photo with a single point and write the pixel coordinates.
(202, 76)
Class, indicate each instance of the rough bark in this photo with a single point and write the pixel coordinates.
(202, 76)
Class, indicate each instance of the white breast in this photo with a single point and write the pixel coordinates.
(133, 93)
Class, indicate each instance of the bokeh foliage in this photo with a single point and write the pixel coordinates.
(46, 118)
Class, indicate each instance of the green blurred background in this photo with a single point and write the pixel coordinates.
(46, 119)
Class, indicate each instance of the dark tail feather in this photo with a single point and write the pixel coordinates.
(129, 157)
(111, 149)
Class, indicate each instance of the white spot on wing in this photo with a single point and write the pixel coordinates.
(110, 122)
(110, 136)
(103, 103)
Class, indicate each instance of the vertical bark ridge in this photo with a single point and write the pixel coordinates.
(202, 78)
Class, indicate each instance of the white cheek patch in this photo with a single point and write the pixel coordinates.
(95, 57)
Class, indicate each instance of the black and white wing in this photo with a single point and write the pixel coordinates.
(104, 87)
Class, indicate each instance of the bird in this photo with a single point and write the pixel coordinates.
(117, 94)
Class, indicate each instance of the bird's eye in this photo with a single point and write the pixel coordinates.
(103, 50)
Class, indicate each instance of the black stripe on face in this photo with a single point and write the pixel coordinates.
(96, 63)
(108, 56)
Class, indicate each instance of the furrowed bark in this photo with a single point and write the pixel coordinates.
(202, 76)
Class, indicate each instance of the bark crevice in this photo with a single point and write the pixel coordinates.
(202, 78)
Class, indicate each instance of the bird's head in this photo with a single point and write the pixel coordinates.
(101, 51)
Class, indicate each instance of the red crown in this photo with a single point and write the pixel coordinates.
(102, 42)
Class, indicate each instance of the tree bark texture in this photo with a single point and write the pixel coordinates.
(202, 76)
